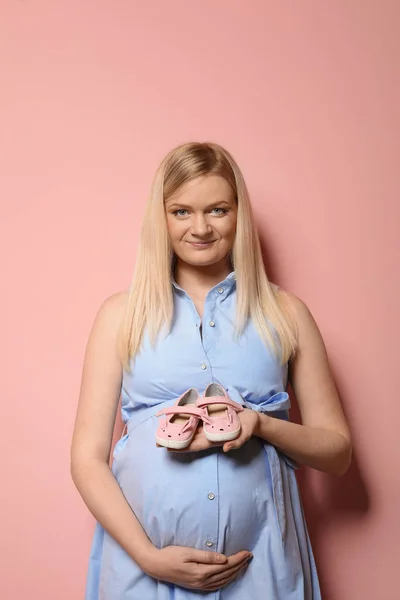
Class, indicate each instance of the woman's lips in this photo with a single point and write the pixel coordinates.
(201, 245)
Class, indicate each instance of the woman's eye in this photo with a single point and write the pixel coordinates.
(181, 212)
(219, 211)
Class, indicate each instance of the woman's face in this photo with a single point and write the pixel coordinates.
(201, 220)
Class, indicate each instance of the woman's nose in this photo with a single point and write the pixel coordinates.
(200, 225)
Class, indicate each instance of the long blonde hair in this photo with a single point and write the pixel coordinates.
(150, 304)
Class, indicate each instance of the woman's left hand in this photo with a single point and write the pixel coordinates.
(249, 422)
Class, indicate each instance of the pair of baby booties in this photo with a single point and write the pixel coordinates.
(214, 408)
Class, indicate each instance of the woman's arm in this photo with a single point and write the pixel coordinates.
(90, 454)
(92, 437)
(323, 439)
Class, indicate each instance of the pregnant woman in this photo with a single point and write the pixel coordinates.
(215, 520)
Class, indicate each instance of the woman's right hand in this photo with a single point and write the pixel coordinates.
(195, 569)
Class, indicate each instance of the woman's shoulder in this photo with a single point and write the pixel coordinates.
(297, 307)
(116, 301)
(282, 293)
(112, 308)
(298, 310)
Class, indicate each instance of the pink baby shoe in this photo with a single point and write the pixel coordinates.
(220, 420)
(177, 428)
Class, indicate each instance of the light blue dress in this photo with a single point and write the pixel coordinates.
(247, 499)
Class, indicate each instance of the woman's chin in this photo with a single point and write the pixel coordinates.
(202, 258)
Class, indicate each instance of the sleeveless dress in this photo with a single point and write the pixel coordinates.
(247, 499)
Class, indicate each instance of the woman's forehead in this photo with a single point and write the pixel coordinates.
(202, 189)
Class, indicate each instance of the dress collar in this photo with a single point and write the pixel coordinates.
(228, 282)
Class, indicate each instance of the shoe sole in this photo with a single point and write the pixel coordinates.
(175, 445)
(221, 437)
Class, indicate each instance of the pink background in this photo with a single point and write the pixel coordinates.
(306, 95)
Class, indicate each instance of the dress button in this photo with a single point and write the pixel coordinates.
(209, 543)
(220, 290)
(211, 324)
(211, 496)
(204, 366)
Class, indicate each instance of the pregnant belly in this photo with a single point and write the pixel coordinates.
(208, 500)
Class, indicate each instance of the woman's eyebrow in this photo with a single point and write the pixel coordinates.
(221, 203)
(177, 204)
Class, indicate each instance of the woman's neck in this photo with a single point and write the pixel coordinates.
(199, 280)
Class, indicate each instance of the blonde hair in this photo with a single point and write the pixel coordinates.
(150, 304)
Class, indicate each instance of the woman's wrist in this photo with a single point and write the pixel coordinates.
(146, 558)
(261, 423)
